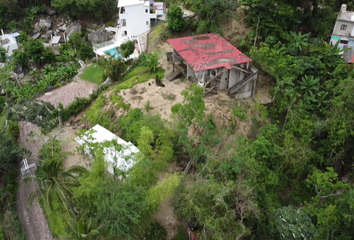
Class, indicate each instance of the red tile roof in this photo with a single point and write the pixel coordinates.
(208, 51)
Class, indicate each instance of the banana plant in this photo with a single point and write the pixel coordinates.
(82, 227)
(35, 74)
(299, 41)
(309, 85)
(47, 69)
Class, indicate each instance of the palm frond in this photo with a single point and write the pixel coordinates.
(48, 196)
(28, 179)
(32, 197)
(76, 170)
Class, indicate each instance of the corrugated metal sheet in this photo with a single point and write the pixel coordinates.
(208, 51)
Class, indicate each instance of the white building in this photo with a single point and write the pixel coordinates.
(343, 33)
(9, 43)
(135, 15)
(120, 155)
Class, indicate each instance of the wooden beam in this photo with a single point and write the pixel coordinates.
(242, 70)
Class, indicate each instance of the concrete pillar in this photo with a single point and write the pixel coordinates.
(233, 78)
(224, 80)
(242, 75)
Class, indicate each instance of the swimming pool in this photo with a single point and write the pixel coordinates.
(113, 52)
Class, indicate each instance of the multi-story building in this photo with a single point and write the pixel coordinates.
(343, 33)
(135, 16)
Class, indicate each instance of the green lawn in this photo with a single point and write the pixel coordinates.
(93, 73)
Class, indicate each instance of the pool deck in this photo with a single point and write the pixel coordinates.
(101, 51)
(118, 40)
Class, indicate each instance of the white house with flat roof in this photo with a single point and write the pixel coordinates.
(9, 43)
(135, 15)
(120, 155)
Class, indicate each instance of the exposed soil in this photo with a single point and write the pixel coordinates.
(161, 98)
(33, 219)
(235, 27)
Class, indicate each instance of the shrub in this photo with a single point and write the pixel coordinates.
(181, 234)
(2, 103)
(23, 37)
(85, 51)
(21, 58)
(79, 104)
(156, 232)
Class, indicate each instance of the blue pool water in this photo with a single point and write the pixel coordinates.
(113, 52)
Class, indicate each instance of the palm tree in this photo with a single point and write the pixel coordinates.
(82, 227)
(52, 179)
(299, 41)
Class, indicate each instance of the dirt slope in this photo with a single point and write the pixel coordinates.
(33, 219)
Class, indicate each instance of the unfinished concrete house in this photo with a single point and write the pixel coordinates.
(213, 63)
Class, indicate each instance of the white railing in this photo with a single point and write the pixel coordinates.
(25, 168)
(104, 44)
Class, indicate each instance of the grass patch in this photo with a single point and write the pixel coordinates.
(93, 73)
(139, 79)
(119, 101)
(134, 72)
(96, 115)
(155, 33)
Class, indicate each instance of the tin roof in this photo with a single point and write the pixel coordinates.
(208, 51)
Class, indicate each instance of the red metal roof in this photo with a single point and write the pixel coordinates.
(208, 51)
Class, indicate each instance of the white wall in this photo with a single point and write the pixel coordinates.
(11, 46)
(138, 21)
(224, 79)
(338, 31)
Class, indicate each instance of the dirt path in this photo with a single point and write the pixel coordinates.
(33, 219)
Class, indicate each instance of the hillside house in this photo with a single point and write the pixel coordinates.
(213, 63)
(120, 155)
(9, 43)
(343, 33)
(135, 16)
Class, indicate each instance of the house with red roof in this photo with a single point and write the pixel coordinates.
(213, 63)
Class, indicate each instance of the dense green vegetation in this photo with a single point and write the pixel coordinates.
(10, 154)
(15, 14)
(290, 177)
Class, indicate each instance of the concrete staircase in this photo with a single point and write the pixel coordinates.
(174, 75)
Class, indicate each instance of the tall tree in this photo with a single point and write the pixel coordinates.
(176, 22)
